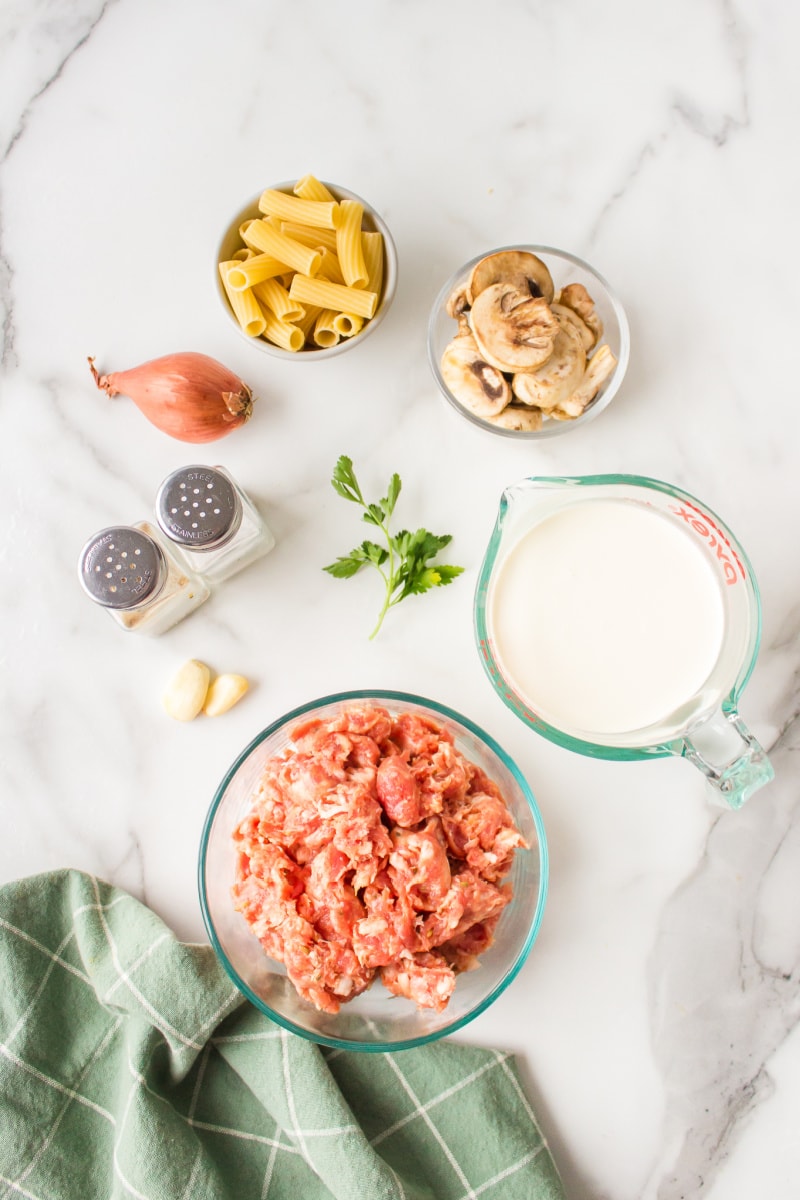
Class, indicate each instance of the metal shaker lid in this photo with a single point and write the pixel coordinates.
(122, 567)
(199, 508)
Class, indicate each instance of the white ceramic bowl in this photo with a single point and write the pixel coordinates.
(565, 268)
(231, 241)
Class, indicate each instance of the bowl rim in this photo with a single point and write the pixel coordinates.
(522, 954)
(553, 428)
(389, 276)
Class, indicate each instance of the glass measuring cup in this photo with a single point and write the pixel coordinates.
(702, 725)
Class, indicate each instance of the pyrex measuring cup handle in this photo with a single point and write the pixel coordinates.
(731, 759)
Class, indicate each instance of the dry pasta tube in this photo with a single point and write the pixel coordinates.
(252, 243)
(287, 336)
(333, 295)
(310, 188)
(244, 235)
(309, 236)
(372, 248)
(347, 324)
(329, 268)
(243, 254)
(300, 258)
(325, 334)
(348, 244)
(307, 323)
(254, 270)
(276, 298)
(244, 304)
(324, 214)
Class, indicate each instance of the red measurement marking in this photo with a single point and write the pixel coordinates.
(511, 697)
(702, 524)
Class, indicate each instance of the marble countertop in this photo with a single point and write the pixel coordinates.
(656, 1017)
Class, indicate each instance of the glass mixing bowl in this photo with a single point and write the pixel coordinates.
(375, 1020)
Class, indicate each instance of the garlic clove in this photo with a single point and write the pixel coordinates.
(187, 690)
(225, 691)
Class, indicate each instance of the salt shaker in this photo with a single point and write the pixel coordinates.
(137, 578)
(218, 529)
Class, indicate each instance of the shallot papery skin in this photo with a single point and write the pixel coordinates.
(189, 396)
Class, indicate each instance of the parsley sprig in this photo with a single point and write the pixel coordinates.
(403, 563)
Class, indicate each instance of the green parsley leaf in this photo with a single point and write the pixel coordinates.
(390, 498)
(374, 515)
(345, 482)
(404, 563)
(448, 574)
(374, 553)
(344, 567)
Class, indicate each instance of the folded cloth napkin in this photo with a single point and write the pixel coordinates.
(129, 1066)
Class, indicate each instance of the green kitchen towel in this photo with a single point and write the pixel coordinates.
(129, 1066)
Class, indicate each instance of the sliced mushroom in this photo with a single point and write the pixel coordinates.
(601, 367)
(555, 381)
(567, 317)
(519, 268)
(519, 417)
(514, 332)
(476, 384)
(457, 302)
(576, 297)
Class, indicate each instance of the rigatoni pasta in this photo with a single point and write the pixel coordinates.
(325, 333)
(283, 333)
(333, 295)
(274, 296)
(329, 268)
(310, 188)
(309, 236)
(372, 249)
(325, 214)
(347, 324)
(269, 240)
(245, 307)
(348, 244)
(306, 273)
(306, 323)
(254, 270)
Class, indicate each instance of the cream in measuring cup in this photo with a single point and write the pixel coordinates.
(617, 617)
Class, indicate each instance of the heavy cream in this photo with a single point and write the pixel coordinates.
(606, 618)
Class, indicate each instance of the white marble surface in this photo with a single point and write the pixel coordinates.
(656, 1017)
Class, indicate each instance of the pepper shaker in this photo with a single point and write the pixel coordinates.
(138, 580)
(204, 512)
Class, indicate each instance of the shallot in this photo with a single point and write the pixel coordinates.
(189, 396)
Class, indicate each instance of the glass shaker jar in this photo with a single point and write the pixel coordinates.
(205, 513)
(138, 580)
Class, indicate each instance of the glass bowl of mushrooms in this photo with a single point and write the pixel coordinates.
(528, 341)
